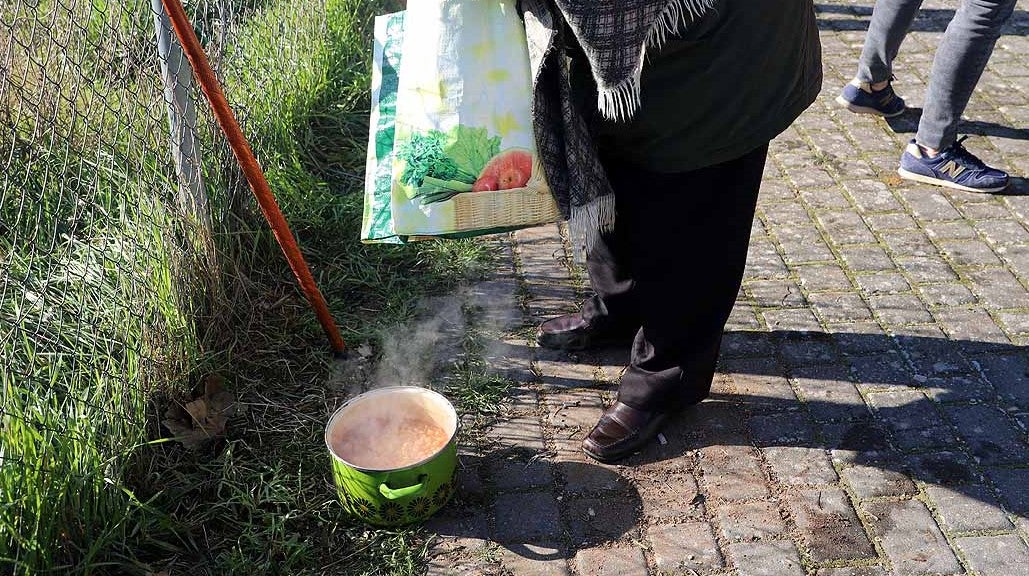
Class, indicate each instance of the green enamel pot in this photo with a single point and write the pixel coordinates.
(392, 496)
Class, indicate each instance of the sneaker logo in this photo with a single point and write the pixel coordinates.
(952, 169)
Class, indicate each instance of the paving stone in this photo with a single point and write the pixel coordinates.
(968, 508)
(612, 561)
(460, 557)
(668, 495)
(733, 472)
(882, 283)
(748, 344)
(684, 547)
(1001, 555)
(866, 259)
(947, 294)
(931, 205)
(829, 525)
(807, 349)
(840, 307)
(881, 371)
(900, 309)
(802, 244)
(926, 269)
(873, 481)
(823, 278)
(535, 560)
(520, 472)
(1011, 483)
(910, 537)
(799, 466)
(1009, 374)
(969, 252)
(940, 437)
(766, 558)
(872, 196)
(781, 429)
(775, 293)
(802, 320)
(857, 338)
(944, 468)
(893, 221)
(907, 243)
(857, 440)
(931, 354)
(904, 410)
(747, 521)
(990, 433)
(828, 394)
(761, 382)
(527, 517)
(521, 432)
(846, 227)
(714, 422)
(998, 288)
(852, 571)
(582, 476)
(594, 521)
(971, 324)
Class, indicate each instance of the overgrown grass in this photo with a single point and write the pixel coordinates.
(102, 328)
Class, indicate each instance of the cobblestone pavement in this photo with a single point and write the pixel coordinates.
(869, 416)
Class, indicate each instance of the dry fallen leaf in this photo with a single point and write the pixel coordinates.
(203, 418)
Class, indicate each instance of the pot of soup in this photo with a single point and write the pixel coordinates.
(394, 454)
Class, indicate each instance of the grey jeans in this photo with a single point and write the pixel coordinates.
(960, 58)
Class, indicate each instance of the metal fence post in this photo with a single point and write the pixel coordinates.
(182, 117)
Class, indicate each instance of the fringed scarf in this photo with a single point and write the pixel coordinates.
(615, 36)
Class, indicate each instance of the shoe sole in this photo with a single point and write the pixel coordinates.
(945, 183)
(865, 110)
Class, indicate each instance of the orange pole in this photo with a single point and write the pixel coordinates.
(251, 169)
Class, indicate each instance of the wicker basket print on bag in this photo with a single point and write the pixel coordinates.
(531, 204)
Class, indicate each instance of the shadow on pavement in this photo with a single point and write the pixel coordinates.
(945, 412)
(907, 123)
(515, 488)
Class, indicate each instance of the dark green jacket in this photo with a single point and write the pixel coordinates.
(732, 82)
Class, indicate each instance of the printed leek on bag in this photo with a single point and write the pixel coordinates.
(464, 157)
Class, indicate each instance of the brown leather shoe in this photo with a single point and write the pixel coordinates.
(573, 332)
(621, 431)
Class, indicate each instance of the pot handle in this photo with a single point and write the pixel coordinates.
(394, 494)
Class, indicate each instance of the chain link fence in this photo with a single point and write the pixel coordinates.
(121, 212)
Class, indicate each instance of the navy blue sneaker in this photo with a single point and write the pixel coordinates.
(953, 167)
(859, 97)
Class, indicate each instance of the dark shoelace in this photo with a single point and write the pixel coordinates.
(959, 153)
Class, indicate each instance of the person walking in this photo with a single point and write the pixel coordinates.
(653, 119)
(935, 155)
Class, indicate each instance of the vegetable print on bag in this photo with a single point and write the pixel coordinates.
(464, 155)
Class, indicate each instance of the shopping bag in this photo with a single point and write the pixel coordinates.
(464, 160)
(377, 221)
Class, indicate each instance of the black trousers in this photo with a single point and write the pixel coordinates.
(672, 267)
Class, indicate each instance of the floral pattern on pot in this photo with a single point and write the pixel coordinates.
(442, 494)
(391, 512)
(419, 507)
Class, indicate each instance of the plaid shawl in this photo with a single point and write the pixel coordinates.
(614, 35)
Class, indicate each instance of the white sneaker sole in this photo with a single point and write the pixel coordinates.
(865, 110)
(946, 184)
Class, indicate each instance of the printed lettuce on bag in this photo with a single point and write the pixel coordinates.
(464, 156)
